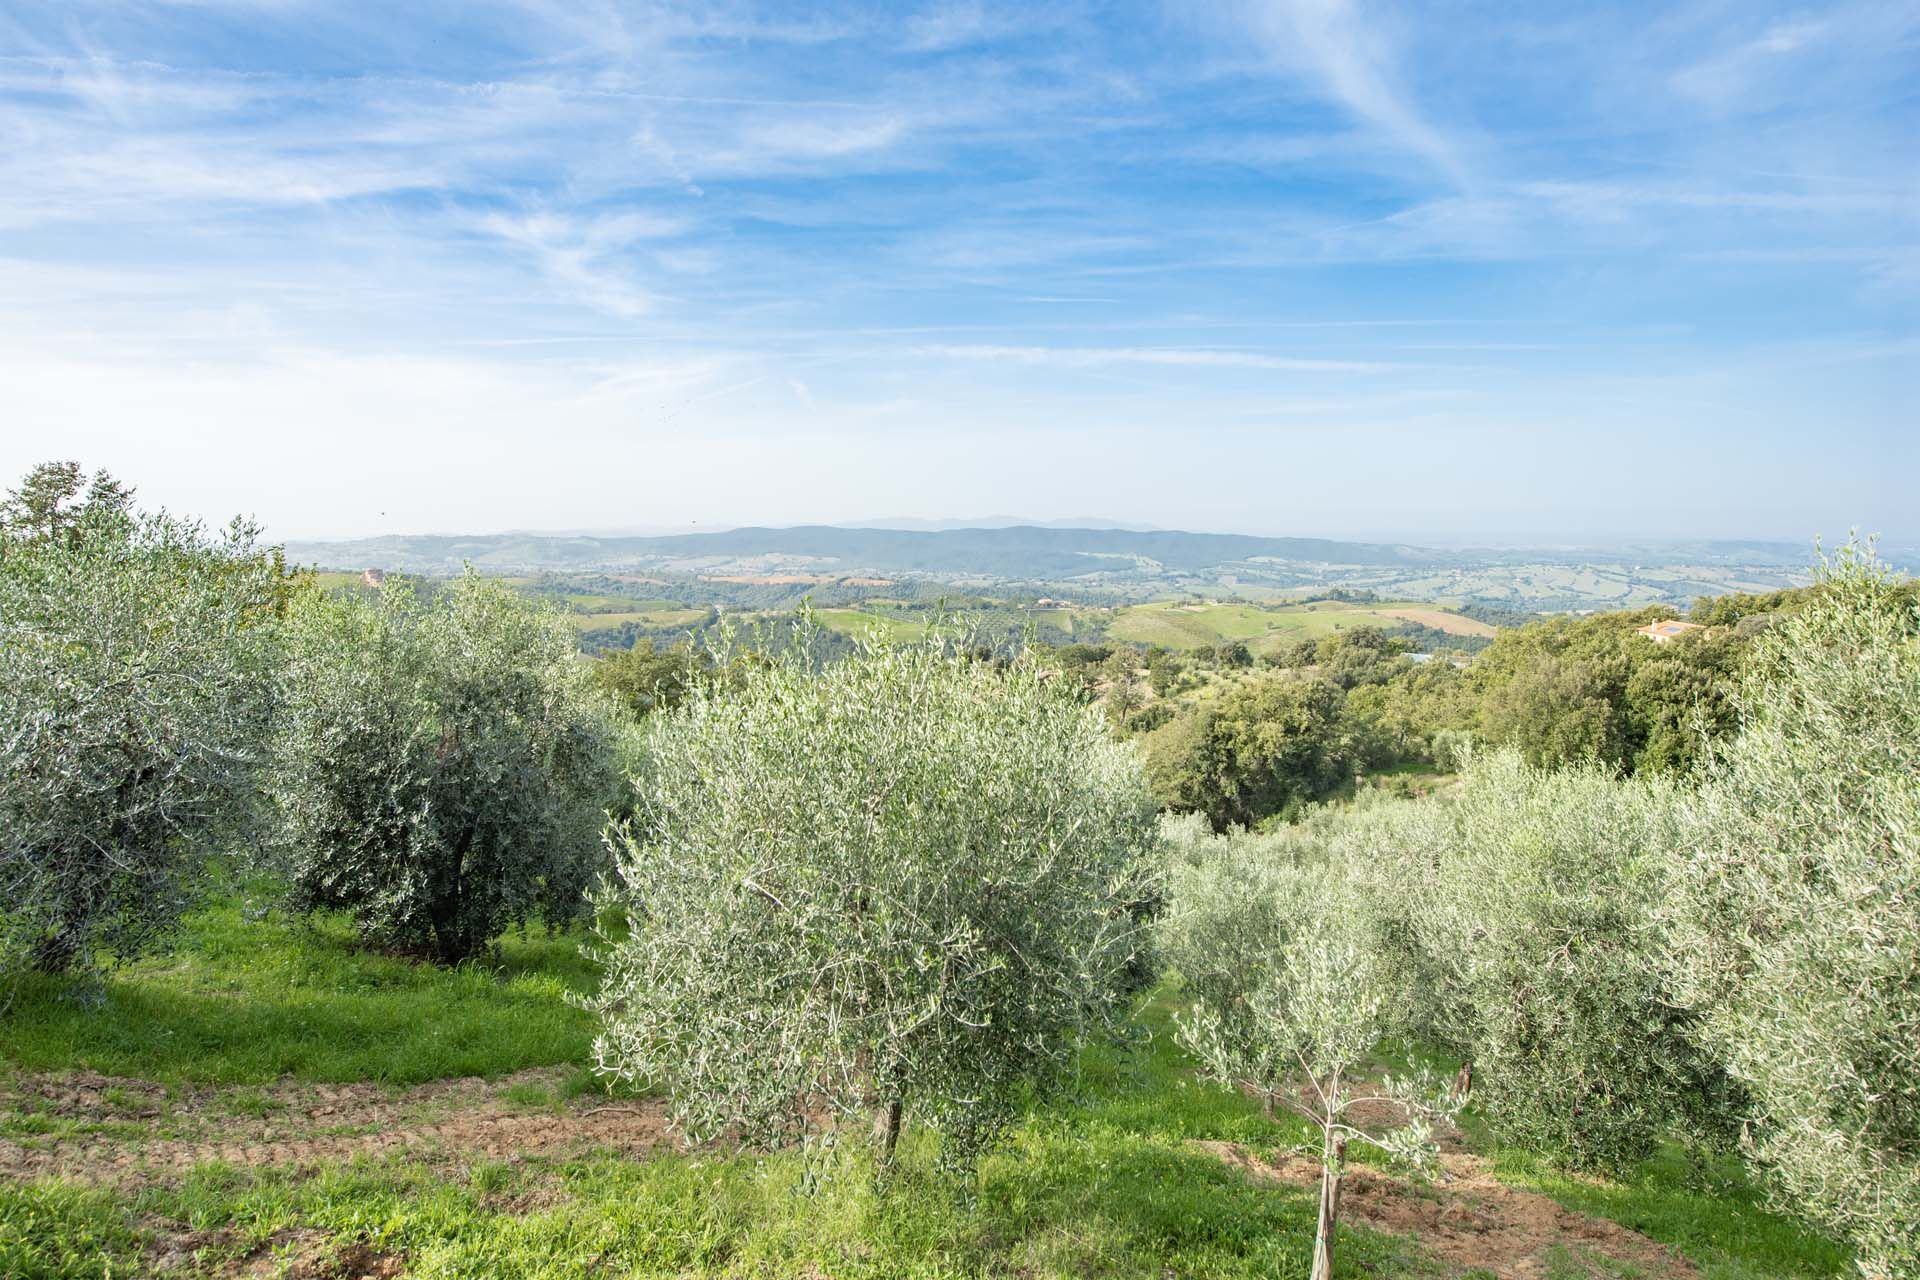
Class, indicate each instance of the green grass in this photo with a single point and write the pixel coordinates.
(1180, 626)
(1106, 1184)
(1082, 1202)
(1705, 1205)
(246, 1002)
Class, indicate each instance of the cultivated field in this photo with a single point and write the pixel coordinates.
(1178, 625)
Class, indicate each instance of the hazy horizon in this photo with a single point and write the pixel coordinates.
(1316, 268)
(1540, 540)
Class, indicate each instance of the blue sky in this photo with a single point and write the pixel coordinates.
(1317, 267)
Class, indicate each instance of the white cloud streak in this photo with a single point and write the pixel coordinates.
(1348, 50)
(1724, 78)
(1176, 357)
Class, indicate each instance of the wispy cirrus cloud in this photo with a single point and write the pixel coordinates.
(1725, 77)
(1349, 48)
(581, 255)
(1173, 357)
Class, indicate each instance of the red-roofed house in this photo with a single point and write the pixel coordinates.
(1667, 630)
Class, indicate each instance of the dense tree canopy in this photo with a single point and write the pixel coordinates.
(135, 661)
(56, 499)
(1526, 902)
(1266, 746)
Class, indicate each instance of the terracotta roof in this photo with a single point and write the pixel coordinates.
(1668, 628)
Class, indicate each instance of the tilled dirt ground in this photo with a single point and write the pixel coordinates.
(1471, 1219)
(106, 1129)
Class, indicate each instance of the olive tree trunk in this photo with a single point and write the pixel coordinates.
(886, 1129)
(1333, 1160)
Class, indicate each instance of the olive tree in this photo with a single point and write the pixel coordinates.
(134, 702)
(1796, 926)
(1293, 988)
(899, 886)
(442, 770)
(1526, 902)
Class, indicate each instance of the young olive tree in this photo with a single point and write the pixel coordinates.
(1796, 922)
(898, 886)
(1526, 902)
(135, 655)
(443, 770)
(1293, 990)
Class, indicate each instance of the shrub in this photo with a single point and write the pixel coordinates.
(899, 886)
(442, 771)
(1525, 902)
(1797, 914)
(133, 659)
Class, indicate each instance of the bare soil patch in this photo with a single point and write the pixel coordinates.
(1472, 1220)
(123, 1129)
(318, 1258)
(296, 1253)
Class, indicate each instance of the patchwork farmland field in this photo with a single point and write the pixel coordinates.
(1194, 626)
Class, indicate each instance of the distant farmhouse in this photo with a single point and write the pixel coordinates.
(1667, 630)
(374, 577)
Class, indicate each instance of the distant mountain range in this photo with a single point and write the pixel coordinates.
(1016, 552)
(1025, 552)
(992, 522)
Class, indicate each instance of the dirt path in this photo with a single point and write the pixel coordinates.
(1474, 1221)
(110, 1129)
